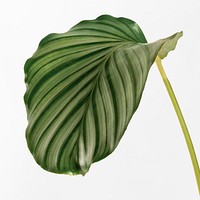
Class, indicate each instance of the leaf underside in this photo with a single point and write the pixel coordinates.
(83, 87)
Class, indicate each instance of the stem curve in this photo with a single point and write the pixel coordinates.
(181, 121)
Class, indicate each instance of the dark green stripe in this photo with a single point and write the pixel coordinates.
(41, 82)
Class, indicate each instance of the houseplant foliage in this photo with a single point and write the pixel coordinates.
(83, 87)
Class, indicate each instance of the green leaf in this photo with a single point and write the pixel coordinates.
(169, 44)
(83, 87)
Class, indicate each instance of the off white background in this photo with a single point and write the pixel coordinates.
(152, 161)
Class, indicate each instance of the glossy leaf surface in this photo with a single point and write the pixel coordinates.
(83, 87)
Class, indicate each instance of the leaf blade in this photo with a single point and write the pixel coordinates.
(83, 87)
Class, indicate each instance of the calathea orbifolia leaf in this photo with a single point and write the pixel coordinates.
(83, 87)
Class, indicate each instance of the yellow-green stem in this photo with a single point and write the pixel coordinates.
(181, 121)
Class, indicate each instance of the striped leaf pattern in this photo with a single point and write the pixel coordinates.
(83, 87)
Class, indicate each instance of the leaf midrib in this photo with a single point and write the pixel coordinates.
(89, 101)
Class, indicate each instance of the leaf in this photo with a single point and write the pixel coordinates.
(169, 44)
(83, 87)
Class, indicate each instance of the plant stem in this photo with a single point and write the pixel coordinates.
(181, 121)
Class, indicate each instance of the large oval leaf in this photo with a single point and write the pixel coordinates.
(83, 87)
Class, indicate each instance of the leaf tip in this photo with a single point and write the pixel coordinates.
(169, 44)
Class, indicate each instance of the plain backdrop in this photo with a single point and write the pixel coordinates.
(152, 161)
